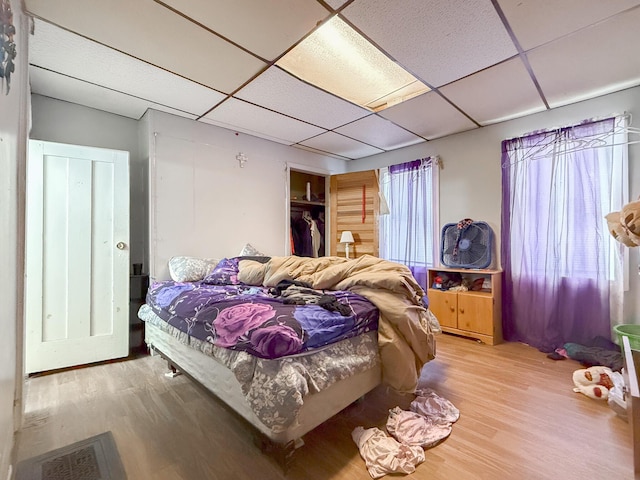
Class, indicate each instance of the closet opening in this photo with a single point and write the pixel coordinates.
(308, 213)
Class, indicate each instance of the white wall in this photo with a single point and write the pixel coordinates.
(204, 204)
(13, 134)
(248, 205)
(470, 182)
(64, 122)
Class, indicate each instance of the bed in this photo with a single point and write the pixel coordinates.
(288, 342)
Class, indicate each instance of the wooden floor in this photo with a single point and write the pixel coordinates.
(519, 419)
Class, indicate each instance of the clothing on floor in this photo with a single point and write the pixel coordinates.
(427, 424)
(439, 410)
(414, 429)
(383, 454)
(592, 356)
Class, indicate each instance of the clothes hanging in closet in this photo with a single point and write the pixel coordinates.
(307, 234)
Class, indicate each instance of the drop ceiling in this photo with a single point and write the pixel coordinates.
(213, 61)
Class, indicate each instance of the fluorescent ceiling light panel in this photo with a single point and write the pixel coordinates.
(339, 60)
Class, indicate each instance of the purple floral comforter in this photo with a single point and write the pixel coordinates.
(251, 319)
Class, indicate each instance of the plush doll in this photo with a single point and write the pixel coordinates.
(594, 382)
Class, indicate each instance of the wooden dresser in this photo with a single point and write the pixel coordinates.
(475, 314)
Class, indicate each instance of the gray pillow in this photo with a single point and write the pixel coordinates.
(250, 251)
(190, 269)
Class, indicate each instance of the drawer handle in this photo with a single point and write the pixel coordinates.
(452, 309)
(462, 310)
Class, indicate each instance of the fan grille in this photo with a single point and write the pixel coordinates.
(467, 247)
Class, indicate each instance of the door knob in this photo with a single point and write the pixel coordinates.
(120, 245)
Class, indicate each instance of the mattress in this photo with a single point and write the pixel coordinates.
(319, 384)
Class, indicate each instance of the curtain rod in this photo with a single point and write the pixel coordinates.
(616, 116)
(537, 152)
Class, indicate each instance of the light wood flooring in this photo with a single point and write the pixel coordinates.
(519, 419)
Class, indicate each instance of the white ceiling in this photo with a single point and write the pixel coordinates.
(485, 61)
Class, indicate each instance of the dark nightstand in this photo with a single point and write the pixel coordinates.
(138, 285)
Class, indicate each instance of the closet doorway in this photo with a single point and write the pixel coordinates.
(308, 215)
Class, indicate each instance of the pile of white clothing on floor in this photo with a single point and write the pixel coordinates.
(427, 423)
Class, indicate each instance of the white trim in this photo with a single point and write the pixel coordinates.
(153, 212)
(435, 207)
(307, 169)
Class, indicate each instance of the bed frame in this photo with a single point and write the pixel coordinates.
(220, 381)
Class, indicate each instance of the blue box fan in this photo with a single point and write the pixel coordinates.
(466, 244)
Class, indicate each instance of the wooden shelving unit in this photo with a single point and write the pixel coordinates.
(138, 285)
(305, 202)
(475, 314)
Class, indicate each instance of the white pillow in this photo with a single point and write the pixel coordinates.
(190, 269)
(250, 251)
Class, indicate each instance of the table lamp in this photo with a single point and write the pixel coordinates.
(346, 238)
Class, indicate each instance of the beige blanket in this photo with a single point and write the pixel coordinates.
(405, 333)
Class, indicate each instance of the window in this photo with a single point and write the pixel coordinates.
(561, 265)
(409, 232)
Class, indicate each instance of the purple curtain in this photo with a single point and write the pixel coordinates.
(407, 166)
(556, 249)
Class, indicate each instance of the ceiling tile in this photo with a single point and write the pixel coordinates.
(242, 116)
(265, 28)
(429, 116)
(499, 93)
(278, 90)
(438, 41)
(337, 144)
(54, 85)
(50, 49)
(597, 60)
(319, 152)
(535, 22)
(380, 133)
(458, 46)
(151, 32)
(336, 4)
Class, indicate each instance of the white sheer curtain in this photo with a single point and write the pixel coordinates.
(409, 234)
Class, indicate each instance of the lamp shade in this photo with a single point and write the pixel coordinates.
(346, 237)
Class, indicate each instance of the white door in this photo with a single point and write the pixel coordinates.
(77, 256)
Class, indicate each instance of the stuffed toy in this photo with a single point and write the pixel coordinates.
(630, 221)
(594, 382)
(625, 224)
